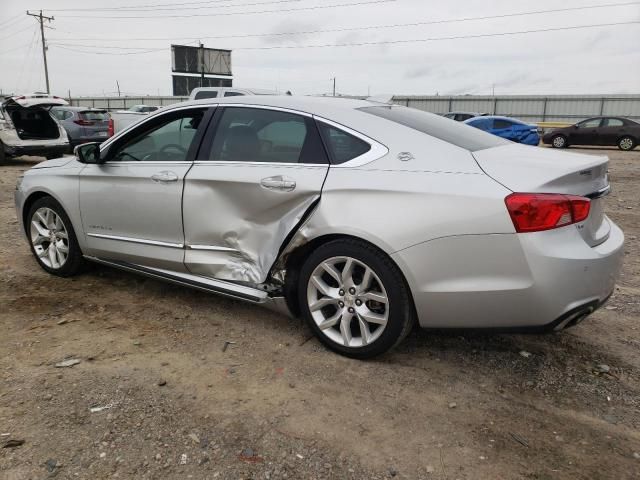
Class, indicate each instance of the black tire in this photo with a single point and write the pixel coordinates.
(53, 155)
(3, 155)
(400, 312)
(74, 262)
(559, 141)
(627, 143)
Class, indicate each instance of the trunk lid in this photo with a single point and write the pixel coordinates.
(540, 170)
(27, 101)
(95, 123)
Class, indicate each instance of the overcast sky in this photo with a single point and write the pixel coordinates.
(601, 60)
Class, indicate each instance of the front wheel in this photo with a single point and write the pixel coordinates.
(52, 239)
(559, 141)
(626, 144)
(354, 298)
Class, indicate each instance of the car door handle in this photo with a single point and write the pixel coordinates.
(279, 182)
(164, 177)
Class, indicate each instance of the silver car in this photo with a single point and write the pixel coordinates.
(363, 218)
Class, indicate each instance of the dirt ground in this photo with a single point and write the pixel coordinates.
(276, 404)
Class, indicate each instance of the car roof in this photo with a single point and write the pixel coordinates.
(321, 106)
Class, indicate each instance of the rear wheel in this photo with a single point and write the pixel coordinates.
(559, 141)
(626, 143)
(354, 298)
(52, 239)
(3, 156)
(53, 155)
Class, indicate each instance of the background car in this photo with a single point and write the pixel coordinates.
(201, 93)
(508, 128)
(28, 128)
(141, 109)
(83, 124)
(604, 131)
(294, 201)
(462, 116)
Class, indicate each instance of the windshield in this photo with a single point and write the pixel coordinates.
(95, 116)
(456, 133)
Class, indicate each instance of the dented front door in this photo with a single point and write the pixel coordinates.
(252, 186)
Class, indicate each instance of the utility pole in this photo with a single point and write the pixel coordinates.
(334, 86)
(118, 85)
(202, 65)
(41, 18)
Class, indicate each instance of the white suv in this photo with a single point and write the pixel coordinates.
(28, 128)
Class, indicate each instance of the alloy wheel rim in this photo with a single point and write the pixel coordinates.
(49, 237)
(626, 143)
(558, 142)
(348, 302)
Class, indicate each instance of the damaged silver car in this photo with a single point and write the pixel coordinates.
(363, 218)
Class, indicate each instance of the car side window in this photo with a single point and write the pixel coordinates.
(342, 146)
(613, 122)
(232, 94)
(592, 123)
(167, 142)
(269, 136)
(499, 123)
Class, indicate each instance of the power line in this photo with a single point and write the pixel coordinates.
(434, 39)
(218, 14)
(155, 9)
(108, 53)
(368, 27)
(16, 33)
(136, 7)
(365, 44)
(6, 22)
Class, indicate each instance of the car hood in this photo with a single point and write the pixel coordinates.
(56, 162)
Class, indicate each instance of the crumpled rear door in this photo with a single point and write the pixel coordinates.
(237, 216)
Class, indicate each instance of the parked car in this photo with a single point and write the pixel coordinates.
(360, 217)
(28, 128)
(202, 93)
(140, 109)
(462, 116)
(508, 128)
(604, 131)
(83, 124)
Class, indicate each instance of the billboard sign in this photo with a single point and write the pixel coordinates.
(210, 61)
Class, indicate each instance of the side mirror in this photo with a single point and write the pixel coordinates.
(88, 153)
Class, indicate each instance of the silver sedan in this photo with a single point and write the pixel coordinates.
(362, 218)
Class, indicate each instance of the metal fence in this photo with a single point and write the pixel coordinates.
(123, 103)
(530, 108)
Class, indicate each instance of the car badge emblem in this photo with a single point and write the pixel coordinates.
(405, 156)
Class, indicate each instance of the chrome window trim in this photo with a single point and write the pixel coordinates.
(141, 162)
(376, 151)
(262, 164)
(266, 107)
(136, 240)
(158, 113)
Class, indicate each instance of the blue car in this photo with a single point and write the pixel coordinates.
(508, 128)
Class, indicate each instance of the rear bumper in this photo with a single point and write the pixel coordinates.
(36, 150)
(533, 281)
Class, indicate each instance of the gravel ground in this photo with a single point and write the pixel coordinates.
(169, 403)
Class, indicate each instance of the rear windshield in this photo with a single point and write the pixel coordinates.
(206, 94)
(450, 131)
(94, 116)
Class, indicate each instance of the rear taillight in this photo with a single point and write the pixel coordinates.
(110, 129)
(84, 123)
(535, 212)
